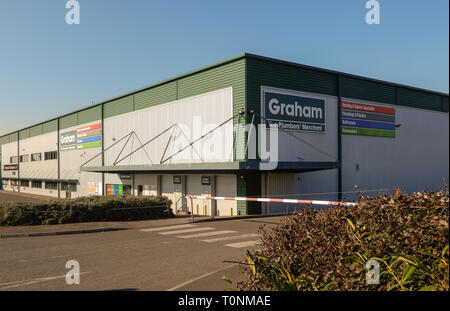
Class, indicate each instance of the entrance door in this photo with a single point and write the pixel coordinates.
(140, 190)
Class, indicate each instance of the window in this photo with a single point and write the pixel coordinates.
(24, 158)
(36, 183)
(36, 157)
(24, 183)
(52, 185)
(51, 155)
(66, 186)
(13, 160)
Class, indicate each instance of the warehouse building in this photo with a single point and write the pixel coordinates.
(248, 126)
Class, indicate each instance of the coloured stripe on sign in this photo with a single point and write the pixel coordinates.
(367, 132)
(367, 108)
(368, 124)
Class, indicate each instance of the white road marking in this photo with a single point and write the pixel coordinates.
(243, 244)
(186, 231)
(199, 278)
(235, 237)
(205, 234)
(167, 228)
(29, 282)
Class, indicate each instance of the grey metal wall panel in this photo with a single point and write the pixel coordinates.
(210, 108)
(45, 169)
(415, 160)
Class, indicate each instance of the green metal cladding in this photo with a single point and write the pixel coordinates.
(50, 126)
(444, 104)
(262, 72)
(68, 121)
(24, 133)
(36, 130)
(90, 115)
(245, 73)
(368, 90)
(416, 99)
(118, 106)
(157, 95)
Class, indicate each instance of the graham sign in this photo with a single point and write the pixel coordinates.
(82, 138)
(292, 112)
(68, 140)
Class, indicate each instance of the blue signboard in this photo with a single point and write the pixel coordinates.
(89, 139)
(368, 124)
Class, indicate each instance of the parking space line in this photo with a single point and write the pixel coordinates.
(205, 234)
(167, 228)
(243, 244)
(227, 238)
(186, 231)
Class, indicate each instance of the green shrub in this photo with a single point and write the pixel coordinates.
(328, 249)
(85, 209)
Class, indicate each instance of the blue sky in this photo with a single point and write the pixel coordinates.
(48, 68)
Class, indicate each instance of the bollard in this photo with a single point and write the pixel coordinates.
(204, 210)
(197, 208)
(192, 209)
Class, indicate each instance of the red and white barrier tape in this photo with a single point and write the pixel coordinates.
(314, 202)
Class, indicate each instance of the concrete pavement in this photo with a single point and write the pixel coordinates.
(15, 230)
(179, 256)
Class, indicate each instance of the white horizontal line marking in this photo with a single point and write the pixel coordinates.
(205, 234)
(321, 202)
(242, 244)
(30, 282)
(227, 238)
(263, 200)
(186, 231)
(199, 278)
(167, 228)
(289, 201)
